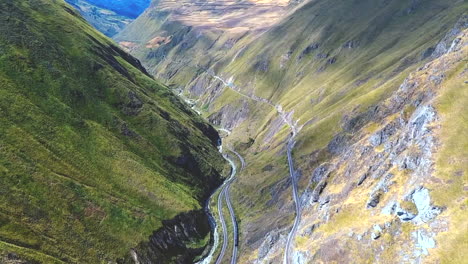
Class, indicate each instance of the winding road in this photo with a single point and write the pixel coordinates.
(223, 224)
(224, 192)
(293, 125)
(297, 220)
(231, 210)
(224, 195)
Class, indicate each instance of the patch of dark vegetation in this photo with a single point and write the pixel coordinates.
(309, 49)
(261, 64)
(243, 146)
(108, 52)
(268, 167)
(72, 12)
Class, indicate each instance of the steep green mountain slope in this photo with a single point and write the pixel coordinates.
(94, 153)
(373, 151)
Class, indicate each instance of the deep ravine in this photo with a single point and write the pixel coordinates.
(224, 194)
(295, 128)
(297, 219)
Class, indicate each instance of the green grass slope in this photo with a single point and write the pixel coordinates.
(94, 153)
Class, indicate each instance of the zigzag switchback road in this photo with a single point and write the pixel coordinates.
(292, 124)
(231, 210)
(297, 219)
(224, 193)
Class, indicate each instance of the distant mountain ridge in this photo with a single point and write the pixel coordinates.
(128, 8)
(110, 17)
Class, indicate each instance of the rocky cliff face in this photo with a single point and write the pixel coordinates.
(177, 241)
(372, 199)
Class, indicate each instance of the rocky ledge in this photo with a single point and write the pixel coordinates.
(177, 241)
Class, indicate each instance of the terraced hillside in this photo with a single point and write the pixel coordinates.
(95, 155)
(374, 91)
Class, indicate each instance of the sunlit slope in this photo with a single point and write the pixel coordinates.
(94, 153)
(328, 50)
(329, 63)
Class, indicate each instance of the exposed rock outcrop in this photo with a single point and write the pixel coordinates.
(390, 162)
(171, 243)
